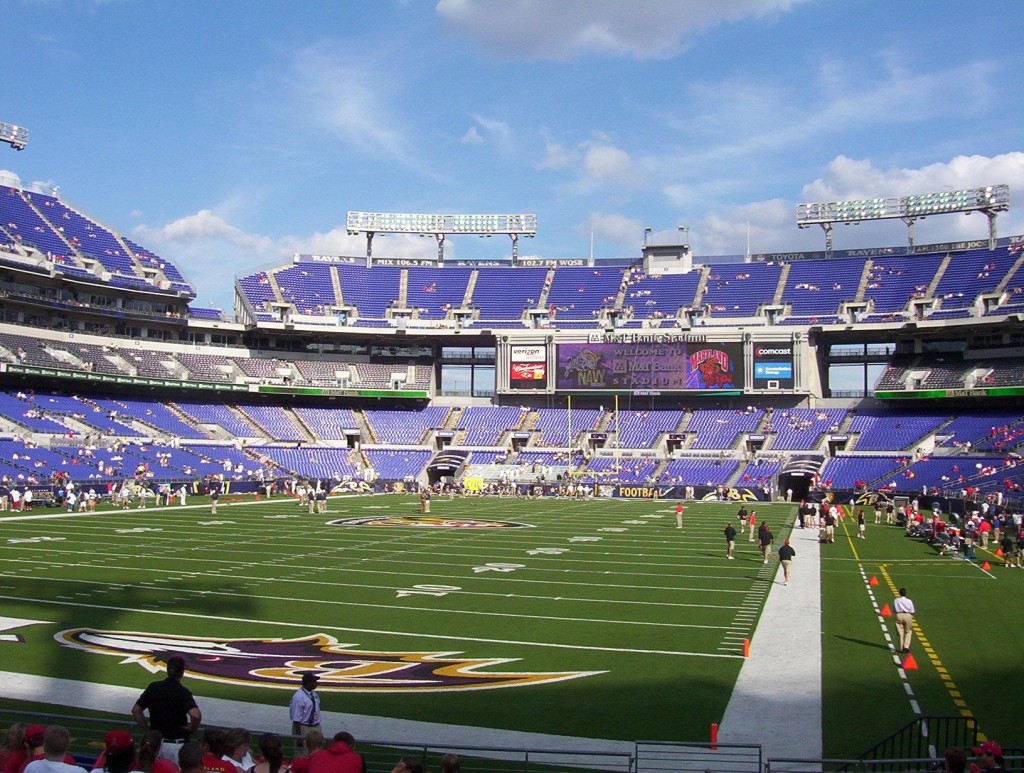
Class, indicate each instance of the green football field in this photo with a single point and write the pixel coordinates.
(595, 618)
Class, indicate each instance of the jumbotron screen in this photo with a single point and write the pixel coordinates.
(672, 366)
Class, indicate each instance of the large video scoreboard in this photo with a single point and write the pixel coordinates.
(669, 366)
(651, 363)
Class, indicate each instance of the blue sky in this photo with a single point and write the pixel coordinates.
(229, 134)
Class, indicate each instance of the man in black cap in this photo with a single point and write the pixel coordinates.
(172, 709)
(304, 708)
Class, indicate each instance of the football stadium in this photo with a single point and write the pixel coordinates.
(656, 512)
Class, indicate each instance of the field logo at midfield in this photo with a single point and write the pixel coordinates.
(428, 522)
(280, 663)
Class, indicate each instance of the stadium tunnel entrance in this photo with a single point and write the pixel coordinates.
(446, 465)
(798, 475)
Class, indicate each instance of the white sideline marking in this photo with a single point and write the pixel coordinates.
(219, 711)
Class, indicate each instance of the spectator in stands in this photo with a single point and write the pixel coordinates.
(450, 763)
(118, 752)
(35, 736)
(339, 757)
(172, 709)
(989, 757)
(213, 747)
(313, 743)
(409, 765)
(273, 755)
(54, 757)
(12, 755)
(955, 761)
(190, 758)
(149, 759)
(236, 742)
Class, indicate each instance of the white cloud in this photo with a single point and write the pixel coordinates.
(348, 94)
(556, 156)
(498, 130)
(497, 133)
(612, 228)
(203, 226)
(211, 251)
(847, 178)
(536, 29)
(772, 223)
(609, 165)
(472, 137)
(598, 161)
(775, 125)
(771, 226)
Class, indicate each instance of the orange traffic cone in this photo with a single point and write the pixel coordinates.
(873, 581)
(986, 566)
(886, 612)
(999, 553)
(909, 664)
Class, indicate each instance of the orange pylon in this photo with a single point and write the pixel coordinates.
(873, 581)
(999, 553)
(986, 566)
(886, 612)
(909, 664)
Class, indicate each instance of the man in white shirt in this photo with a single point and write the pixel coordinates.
(304, 708)
(904, 609)
(55, 746)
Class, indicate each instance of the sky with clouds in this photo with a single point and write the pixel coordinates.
(228, 135)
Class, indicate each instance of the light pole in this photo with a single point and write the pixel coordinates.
(684, 231)
(647, 234)
(15, 136)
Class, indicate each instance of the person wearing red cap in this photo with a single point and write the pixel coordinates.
(55, 757)
(35, 746)
(118, 752)
(990, 757)
(786, 555)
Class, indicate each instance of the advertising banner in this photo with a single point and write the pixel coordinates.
(528, 368)
(773, 365)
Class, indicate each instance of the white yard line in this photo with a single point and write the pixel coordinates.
(310, 626)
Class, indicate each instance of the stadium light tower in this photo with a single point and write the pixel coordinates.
(15, 136)
(989, 200)
(440, 226)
